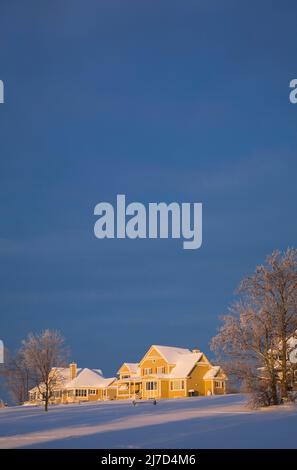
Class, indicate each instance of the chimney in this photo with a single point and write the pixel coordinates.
(196, 350)
(73, 370)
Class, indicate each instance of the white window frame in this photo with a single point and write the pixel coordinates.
(151, 385)
(177, 385)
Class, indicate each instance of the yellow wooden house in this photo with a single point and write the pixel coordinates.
(73, 385)
(170, 372)
(163, 372)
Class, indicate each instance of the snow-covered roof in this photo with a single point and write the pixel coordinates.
(89, 378)
(185, 364)
(211, 373)
(132, 366)
(106, 382)
(171, 354)
(62, 375)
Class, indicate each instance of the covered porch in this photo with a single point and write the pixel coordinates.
(129, 388)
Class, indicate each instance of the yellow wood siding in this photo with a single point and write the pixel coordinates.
(165, 388)
(207, 387)
(153, 360)
(195, 381)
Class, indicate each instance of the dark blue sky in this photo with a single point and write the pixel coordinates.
(162, 101)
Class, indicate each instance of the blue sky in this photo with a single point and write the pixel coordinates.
(161, 101)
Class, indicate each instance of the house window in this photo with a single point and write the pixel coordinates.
(92, 392)
(151, 386)
(125, 376)
(177, 385)
(80, 393)
(218, 384)
(161, 370)
(147, 371)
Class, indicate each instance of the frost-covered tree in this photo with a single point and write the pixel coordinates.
(245, 342)
(273, 287)
(254, 336)
(44, 353)
(18, 377)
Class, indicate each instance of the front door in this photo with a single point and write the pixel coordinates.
(151, 389)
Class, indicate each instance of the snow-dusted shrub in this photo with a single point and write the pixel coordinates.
(292, 396)
(262, 395)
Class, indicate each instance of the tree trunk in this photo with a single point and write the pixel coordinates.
(284, 384)
(46, 400)
(274, 391)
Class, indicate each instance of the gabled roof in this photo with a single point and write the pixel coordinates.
(185, 364)
(132, 366)
(212, 373)
(62, 375)
(171, 354)
(89, 378)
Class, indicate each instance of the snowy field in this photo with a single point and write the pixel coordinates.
(206, 422)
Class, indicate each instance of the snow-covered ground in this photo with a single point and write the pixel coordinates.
(202, 422)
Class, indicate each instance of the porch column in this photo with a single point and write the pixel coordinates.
(212, 387)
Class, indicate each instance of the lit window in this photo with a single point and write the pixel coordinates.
(151, 385)
(177, 385)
